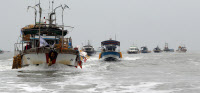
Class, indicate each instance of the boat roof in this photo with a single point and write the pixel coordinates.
(87, 46)
(144, 47)
(112, 42)
(44, 30)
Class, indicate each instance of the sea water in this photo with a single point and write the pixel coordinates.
(135, 73)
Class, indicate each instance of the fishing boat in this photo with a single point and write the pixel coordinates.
(133, 50)
(181, 49)
(144, 49)
(166, 48)
(44, 43)
(1, 51)
(157, 50)
(89, 49)
(110, 51)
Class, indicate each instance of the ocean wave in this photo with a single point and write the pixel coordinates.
(45, 67)
(142, 87)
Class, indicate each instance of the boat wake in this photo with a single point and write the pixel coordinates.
(5, 64)
(45, 67)
(143, 87)
(131, 58)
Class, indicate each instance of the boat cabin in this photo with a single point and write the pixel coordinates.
(88, 48)
(110, 45)
(134, 48)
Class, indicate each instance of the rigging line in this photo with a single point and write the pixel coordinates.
(49, 5)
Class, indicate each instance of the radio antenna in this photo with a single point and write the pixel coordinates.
(115, 37)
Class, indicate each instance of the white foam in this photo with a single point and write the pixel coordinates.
(4, 68)
(5, 65)
(144, 87)
(31, 89)
(195, 62)
(132, 58)
(10, 59)
(93, 59)
(45, 67)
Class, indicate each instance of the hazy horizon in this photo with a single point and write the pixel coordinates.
(142, 22)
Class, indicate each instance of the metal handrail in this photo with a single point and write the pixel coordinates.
(16, 49)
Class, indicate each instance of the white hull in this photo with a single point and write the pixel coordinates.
(35, 59)
(133, 52)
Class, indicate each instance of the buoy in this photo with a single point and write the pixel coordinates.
(120, 54)
(99, 55)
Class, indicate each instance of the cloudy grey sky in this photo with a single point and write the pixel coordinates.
(144, 22)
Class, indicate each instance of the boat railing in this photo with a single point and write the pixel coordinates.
(44, 26)
(17, 49)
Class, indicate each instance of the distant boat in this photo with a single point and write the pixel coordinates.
(181, 49)
(89, 49)
(133, 50)
(110, 52)
(166, 48)
(157, 50)
(145, 50)
(1, 51)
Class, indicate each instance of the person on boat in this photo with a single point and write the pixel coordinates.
(28, 46)
(52, 57)
(104, 49)
(70, 43)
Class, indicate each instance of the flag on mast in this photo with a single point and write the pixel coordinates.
(43, 42)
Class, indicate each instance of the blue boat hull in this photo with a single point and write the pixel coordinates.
(110, 56)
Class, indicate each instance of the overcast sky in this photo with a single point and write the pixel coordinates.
(142, 22)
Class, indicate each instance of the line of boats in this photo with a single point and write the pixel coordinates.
(44, 43)
(144, 49)
(109, 50)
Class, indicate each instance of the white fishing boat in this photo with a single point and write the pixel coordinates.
(133, 50)
(89, 49)
(181, 49)
(44, 43)
(1, 51)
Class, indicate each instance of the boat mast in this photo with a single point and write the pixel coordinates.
(52, 5)
(54, 11)
(40, 11)
(35, 12)
(115, 37)
(63, 8)
(88, 42)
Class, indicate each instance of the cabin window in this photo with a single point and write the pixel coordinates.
(111, 48)
(50, 42)
(87, 49)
